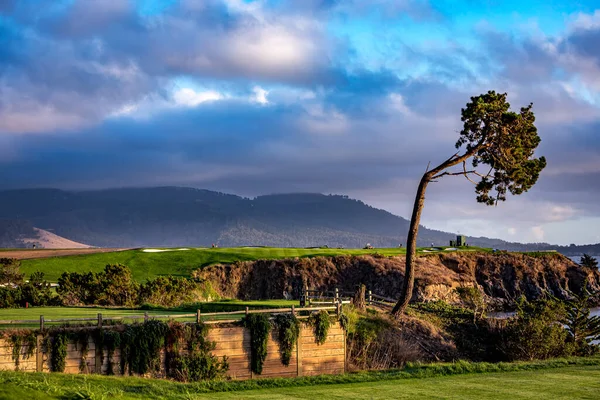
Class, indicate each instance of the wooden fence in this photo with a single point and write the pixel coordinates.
(309, 357)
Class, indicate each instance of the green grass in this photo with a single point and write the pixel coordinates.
(180, 263)
(50, 313)
(555, 379)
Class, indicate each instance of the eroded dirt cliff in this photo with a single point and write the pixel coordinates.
(502, 277)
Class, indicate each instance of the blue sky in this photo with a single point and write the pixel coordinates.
(253, 97)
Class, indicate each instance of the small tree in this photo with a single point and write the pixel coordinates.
(10, 273)
(588, 261)
(493, 137)
(583, 328)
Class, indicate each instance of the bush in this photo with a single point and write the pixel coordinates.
(170, 291)
(377, 343)
(536, 332)
(36, 292)
(197, 363)
(112, 287)
(583, 329)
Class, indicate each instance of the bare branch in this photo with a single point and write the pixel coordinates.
(466, 174)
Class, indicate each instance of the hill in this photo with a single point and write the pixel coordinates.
(19, 234)
(176, 216)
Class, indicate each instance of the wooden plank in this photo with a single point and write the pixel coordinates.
(7, 358)
(232, 345)
(337, 332)
(323, 352)
(276, 375)
(330, 339)
(324, 346)
(299, 355)
(327, 372)
(323, 359)
(323, 366)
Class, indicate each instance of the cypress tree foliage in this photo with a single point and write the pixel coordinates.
(583, 328)
(500, 145)
(588, 261)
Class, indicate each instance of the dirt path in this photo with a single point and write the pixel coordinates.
(45, 253)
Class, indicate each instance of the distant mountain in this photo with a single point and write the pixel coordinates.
(18, 234)
(176, 216)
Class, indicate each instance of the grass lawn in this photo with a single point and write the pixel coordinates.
(538, 380)
(146, 265)
(50, 313)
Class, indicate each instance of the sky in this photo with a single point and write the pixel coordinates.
(349, 97)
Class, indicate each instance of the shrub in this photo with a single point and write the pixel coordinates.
(10, 273)
(583, 329)
(472, 298)
(197, 363)
(112, 287)
(536, 332)
(141, 345)
(170, 291)
(589, 262)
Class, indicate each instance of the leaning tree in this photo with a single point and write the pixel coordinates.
(500, 145)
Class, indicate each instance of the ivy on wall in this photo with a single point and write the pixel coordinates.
(288, 331)
(260, 327)
(20, 339)
(320, 321)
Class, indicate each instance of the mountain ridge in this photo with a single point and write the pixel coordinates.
(183, 216)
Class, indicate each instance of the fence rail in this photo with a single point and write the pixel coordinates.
(310, 300)
(100, 319)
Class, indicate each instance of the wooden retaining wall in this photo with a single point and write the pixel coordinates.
(309, 358)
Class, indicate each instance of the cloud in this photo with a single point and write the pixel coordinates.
(261, 97)
(189, 97)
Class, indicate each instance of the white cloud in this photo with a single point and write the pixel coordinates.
(191, 98)
(537, 233)
(260, 95)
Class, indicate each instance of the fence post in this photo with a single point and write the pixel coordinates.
(247, 311)
(198, 318)
(338, 309)
(337, 296)
(370, 298)
(41, 322)
(306, 299)
(99, 320)
(293, 311)
(39, 356)
(146, 316)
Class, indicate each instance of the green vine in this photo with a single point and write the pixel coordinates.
(320, 323)
(288, 328)
(141, 345)
(58, 354)
(83, 340)
(197, 363)
(259, 327)
(19, 340)
(109, 340)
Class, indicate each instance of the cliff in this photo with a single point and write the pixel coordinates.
(503, 277)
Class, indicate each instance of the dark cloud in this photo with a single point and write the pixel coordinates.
(88, 99)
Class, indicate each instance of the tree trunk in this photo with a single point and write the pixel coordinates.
(359, 298)
(411, 247)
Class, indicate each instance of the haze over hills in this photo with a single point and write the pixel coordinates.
(176, 216)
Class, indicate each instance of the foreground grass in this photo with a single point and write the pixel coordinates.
(577, 378)
(146, 265)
